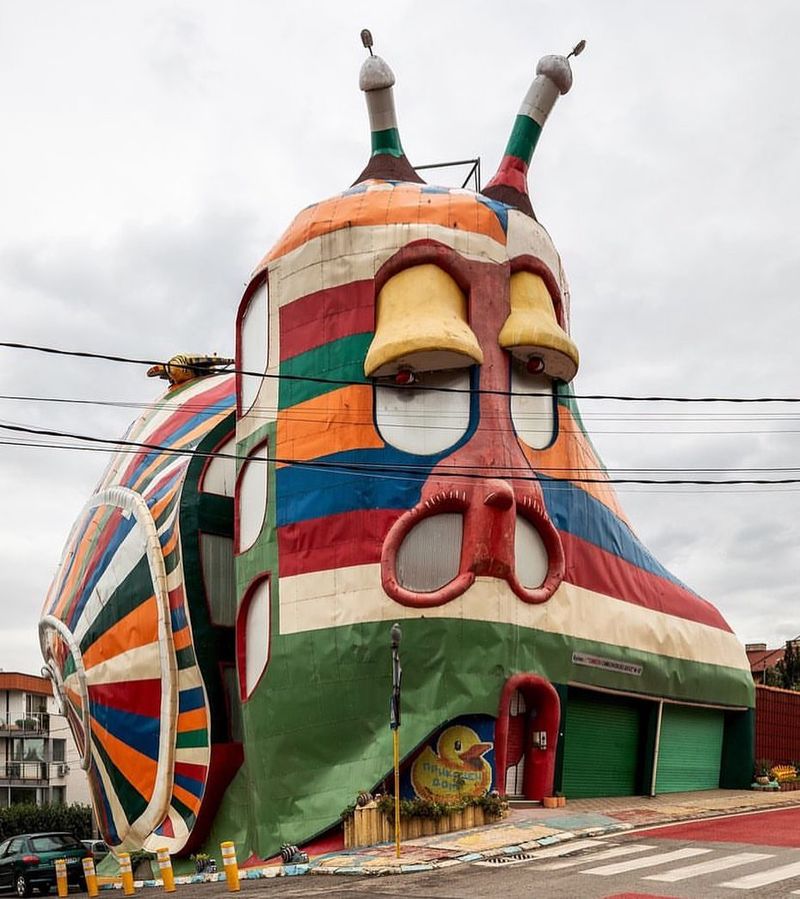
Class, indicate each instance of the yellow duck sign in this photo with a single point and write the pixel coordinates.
(456, 770)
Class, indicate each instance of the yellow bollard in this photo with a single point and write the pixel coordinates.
(61, 877)
(126, 873)
(90, 876)
(165, 866)
(231, 868)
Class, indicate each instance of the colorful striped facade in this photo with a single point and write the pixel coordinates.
(120, 630)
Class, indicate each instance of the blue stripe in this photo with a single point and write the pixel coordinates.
(178, 618)
(112, 836)
(138, 731)
(124, 527)
(195, 787)
(498, 208)
(191, 699)
(576, 512)
(223, 405)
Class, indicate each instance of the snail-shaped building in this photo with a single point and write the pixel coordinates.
(407, 449)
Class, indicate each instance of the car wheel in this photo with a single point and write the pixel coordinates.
(22, 885)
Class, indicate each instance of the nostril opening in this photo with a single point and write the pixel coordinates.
(499, 499)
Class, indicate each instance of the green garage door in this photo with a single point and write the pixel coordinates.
(689, 749)
(601, 746)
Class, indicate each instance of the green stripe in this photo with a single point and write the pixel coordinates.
(184, 811)
(131, 593)
(185, 658)
(524, 136)
(386, 142)
(341, 360)
(192, 739)
(133, 803)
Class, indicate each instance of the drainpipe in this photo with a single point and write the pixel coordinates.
(655, 750)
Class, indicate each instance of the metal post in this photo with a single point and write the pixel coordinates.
(394, 723)
(655, 749)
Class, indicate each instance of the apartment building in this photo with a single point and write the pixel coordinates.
(39, 762)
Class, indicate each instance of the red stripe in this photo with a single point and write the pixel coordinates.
(195, 406)
(142, 697)
(336, 541)
(196, 772)
(319, 318)
(165, 829)
(595, 569)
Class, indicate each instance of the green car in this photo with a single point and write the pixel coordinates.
(27, 861)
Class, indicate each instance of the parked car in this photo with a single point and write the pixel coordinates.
(98, 848)
(27, 861)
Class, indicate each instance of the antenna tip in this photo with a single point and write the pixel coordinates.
(557, 69)
(577, 49)
(366, 39)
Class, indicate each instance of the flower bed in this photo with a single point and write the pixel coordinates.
(373, 822)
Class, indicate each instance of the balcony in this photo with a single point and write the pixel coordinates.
(16, 773)
(35, 725)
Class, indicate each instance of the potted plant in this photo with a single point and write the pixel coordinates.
(201, 861)
(762, 771)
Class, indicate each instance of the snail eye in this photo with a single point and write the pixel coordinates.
(458, 745)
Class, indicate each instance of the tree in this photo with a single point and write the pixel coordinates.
(789, 667)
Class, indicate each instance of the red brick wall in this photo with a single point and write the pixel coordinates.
(777, 725)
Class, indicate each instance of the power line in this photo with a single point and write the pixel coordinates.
(405, 471)
(284, 376)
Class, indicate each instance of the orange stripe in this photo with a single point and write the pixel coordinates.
(182, 638)
(331, 423)
(186, 798)
(196, 719)
(165, 500)
(85, 546)
(74, 697)
(135, 766)
(569, 454)
(138, 628)
(169, 546)
(402, 204)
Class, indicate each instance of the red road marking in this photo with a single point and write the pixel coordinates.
(775, 828)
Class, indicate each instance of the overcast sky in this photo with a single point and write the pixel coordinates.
(150, 153)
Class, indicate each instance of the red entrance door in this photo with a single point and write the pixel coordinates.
(526, 736)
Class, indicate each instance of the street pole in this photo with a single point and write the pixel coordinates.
(394, 723)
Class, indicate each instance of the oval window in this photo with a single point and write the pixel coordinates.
(252, 497)
(427, 416)
(253, 347)
(533, 406)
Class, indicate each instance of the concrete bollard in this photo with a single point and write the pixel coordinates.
(90, 876)
(231, 868)
(165, 866)
(61, 877)
(126, 873)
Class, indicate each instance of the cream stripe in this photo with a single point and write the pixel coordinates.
(141, 663)
(355, 254)
(352, 595)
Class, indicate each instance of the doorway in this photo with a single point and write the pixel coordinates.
(526, 737)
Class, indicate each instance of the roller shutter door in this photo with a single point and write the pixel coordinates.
(689, 750)
(602, 741)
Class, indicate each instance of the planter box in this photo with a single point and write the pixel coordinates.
(369, 825)
(790, 785)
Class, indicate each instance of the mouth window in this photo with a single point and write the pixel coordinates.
(430, 555)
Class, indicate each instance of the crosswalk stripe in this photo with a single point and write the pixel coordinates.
(632, 864)
(784, 872)
(566, 847)
(596, 857)
(715, 864)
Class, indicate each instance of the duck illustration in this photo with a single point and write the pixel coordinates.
(456, 769)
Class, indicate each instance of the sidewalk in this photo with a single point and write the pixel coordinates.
(526, 830)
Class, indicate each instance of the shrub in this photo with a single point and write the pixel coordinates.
(75, 819)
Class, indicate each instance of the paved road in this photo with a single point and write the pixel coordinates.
(755, 854)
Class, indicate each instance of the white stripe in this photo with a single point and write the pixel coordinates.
(773, 875)
(355, 254)
(634, 864)
(716, 864)
(597, 857)
(353, 595)
(566, 848)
